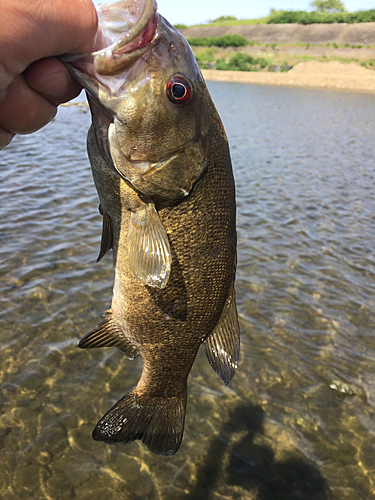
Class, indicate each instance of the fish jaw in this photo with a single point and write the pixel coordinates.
(131, 45)
(126, 31)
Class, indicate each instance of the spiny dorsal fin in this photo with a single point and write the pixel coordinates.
(157, 421)
(107, 234)
(222, 346)
(149, 253)
(110, 332)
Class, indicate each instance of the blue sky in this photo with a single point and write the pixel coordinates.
(199, 11)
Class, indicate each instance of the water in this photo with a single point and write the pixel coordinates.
(304, 167)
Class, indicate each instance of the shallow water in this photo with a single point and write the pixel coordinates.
(304, 166)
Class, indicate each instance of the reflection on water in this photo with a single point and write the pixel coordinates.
(304, 167)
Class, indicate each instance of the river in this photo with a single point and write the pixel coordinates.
(297, 421)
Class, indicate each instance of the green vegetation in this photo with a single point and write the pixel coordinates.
(368, 64)
(302, 17)
(219, 41)
(243, 62)
(213, 53)
(237, 22)
(224, 18)
(237, 62)
(180, 26)
(206, 58)
(328, 5)
(328, 14)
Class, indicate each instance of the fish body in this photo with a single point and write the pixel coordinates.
(162, 169)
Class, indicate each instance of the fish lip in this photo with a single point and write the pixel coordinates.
(91, 81)
(122, 49)
(116, 57)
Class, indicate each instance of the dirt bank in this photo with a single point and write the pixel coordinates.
(360, 33)
(332, 75)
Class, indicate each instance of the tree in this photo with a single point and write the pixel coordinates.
(328, 5)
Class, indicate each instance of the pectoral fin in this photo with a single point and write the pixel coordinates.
(222, 346)
(149, 253)
(174, 177)
(107, 234)
(110, 332)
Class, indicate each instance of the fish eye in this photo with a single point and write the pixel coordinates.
(179, 89)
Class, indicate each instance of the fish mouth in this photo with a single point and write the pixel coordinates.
(131, 45)
(127, 30)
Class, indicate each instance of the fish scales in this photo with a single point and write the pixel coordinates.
(168, 202)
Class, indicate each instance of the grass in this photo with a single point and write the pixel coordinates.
(284, 16)
(220, 58)
(237, 22)
(238, 61)
(369, 64)
(240, 41)
(219, 41)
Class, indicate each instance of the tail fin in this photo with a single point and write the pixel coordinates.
(158, 422)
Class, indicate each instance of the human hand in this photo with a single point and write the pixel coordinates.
(33, 82)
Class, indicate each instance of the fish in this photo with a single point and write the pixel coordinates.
(162, 169)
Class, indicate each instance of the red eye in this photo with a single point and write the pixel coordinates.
(179, 89)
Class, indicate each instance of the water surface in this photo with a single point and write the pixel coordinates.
(304, 167)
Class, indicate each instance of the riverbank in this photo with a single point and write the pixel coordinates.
(320, 34)
(333, 75)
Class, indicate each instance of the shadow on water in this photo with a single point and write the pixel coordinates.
(253, 467)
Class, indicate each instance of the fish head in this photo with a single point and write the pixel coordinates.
(147, 98)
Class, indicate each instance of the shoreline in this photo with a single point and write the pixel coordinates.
(330, 75)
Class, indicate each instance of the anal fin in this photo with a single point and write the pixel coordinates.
(107, 234)
(109, 332)
(222, 346)
(149, 253)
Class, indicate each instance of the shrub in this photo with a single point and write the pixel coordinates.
(243, 62)
(302, 17)
(368, 64)
(285, 67)
(224, 18)
(219, 41)
(206, 57)
(221, 64)
(180, 26)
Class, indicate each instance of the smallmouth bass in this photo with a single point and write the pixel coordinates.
(161, 165)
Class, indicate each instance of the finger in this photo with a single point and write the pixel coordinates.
(5, 137)
(43, 29)
(50, 78)
(24, 110)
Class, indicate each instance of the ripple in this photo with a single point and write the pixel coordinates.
(303, 163)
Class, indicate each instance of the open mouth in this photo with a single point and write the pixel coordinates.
(126, 31)
(132, 44)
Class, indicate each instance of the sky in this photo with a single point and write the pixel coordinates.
(200, 11)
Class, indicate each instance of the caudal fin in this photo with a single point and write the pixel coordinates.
(158, 422)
